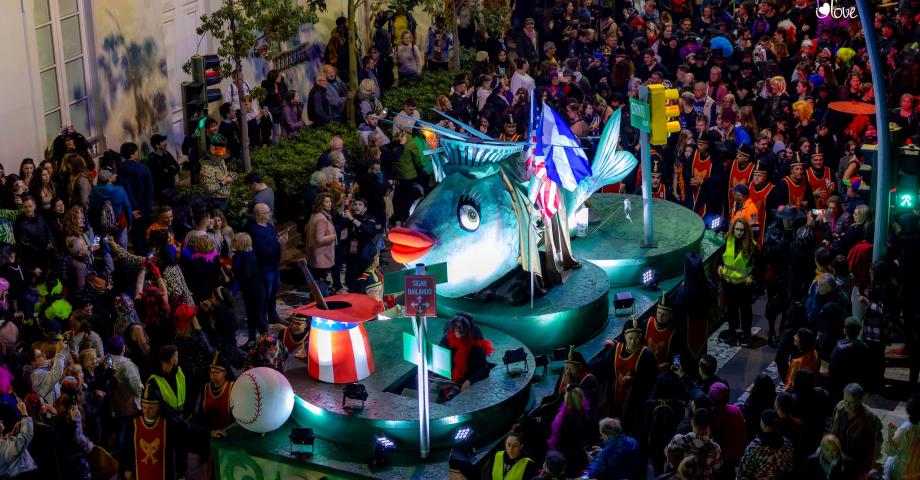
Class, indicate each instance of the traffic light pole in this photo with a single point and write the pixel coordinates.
(883, 159)
(645, 148)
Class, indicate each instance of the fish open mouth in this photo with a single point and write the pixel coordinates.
(408, 245)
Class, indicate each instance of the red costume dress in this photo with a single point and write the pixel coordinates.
(820, 182)
(150, 449)
(701, 169)
(659, 341)
(292, 343)
(215, 406)
(759, 197)
(796, 191)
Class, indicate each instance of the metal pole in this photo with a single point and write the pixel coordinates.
(530, 224)
(882, 175)
(648, 240)
(423, 423)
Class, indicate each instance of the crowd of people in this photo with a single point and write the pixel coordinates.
(118, 317)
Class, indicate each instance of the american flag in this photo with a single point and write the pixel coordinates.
(339, 351)
(543, 192)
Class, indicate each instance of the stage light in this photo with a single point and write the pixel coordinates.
(382, 446)
(354, 391)
(541, 361)
(463, 435)
(515, 356)
(302, 437)
(715, 224)
(624, 304)
(650, 279)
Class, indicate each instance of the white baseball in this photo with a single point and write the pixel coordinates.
(261, 400)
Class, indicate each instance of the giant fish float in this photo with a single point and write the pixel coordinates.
(477, 217)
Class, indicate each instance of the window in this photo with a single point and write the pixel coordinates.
(59, 35)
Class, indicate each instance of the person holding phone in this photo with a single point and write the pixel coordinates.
(216, 178)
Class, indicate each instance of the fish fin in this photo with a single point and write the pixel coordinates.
(609, 166)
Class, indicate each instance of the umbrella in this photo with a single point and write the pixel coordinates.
(722, 43)
(853, 108)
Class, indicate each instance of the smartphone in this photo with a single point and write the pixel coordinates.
(816, 211)
(96, 240)
(676, 360)
(150, 255)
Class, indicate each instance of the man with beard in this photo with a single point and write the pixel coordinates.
(361, 230)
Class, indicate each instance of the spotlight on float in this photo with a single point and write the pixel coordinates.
(463, 435)
(354, 391)
(650, 279)
(302, 437)
(541, 360)
(624, 304)
(383, 445)
(715, 223)
(511, 357)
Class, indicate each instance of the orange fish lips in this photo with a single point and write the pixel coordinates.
(408, 245)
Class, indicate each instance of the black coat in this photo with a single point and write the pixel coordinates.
(319, 110)
(163, 168)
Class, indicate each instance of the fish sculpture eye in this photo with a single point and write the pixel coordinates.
(468, 214)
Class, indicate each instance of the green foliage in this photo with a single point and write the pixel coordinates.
(425, 89)
(287, 168)
(246, 27)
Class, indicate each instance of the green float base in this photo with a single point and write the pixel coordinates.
(615, 243)
(489, 406)
(569, 314)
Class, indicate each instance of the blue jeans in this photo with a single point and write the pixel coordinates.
(271, 282)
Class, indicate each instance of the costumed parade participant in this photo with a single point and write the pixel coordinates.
(469, 352)
(214, 405)
(269, 352)
(741, 172)
(659, 189)
(760, 191)
(510, 133)
(627, 370)
(794, 189)
(662, 336)
(705, 176)
(820, 178)
(294, 336)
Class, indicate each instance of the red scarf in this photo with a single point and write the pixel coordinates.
(461, 348)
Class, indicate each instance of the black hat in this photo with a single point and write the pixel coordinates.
(663, 302)
(633, 325)
(796, 160)
(745, 150)
(510, 121)
(742, 189)
(151, 395)
(816, 152)
(575, 357)
(759, 168)
(708, 137)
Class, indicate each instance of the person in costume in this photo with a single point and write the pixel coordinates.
(154, 441)
(627, 370)
(821, 179)
(269, 352)
(294, 336)
(760, 191)
(745, 209)
(737, 274)
(575, 373)
(659, 189)
(794, 189)
(213, 408)
(662, 336)
(705, 176)
(510, 133)
(741, 172)
(468, 350)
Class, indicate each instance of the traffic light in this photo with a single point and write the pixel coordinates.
(905, 193)
(663, 110)
(196, 95)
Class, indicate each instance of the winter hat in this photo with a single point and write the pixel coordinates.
(719, 393)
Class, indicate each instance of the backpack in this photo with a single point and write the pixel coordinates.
(108, 222)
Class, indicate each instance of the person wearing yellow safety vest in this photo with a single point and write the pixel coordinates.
(737, 274)
(511, 463)
(169, 384)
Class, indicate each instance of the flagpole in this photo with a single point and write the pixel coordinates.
(532, 219)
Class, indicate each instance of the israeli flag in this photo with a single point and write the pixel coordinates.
(566, 161)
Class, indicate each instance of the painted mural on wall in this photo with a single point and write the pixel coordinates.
(132, 70)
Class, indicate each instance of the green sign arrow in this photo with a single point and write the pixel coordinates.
(394, 282)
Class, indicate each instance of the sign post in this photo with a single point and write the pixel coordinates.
(419, 295)
(639, 117)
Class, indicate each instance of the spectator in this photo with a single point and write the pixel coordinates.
(618, 455)
(337, 93)
(761, 397)
(245, 266)
(521, 78)
(769, 455)
(728, 428)
(47, 372)
(215, 176)
(849, 360)
(275, 89)
(408, 57)
(440, 43)
(829, 462)
(230, 129)
(261, 193)
(698, 444)
(163, 168)
(33, 235)
(369, 72)
(267, 244)
(318, 108)
(805, 356)
(903, 459)
(858, 428)
(371, 126)
(554, 467)
(137, 181)
(570, 430)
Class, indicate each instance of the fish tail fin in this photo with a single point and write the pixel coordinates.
(609, 166)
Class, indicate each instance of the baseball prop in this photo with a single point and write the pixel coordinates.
(339, 351)
(261, 400)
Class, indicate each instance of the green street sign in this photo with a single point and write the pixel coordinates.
(394, 282)
(639, 115)
(438, 356)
